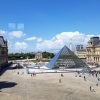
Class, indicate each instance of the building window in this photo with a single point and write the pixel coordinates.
(3, 52)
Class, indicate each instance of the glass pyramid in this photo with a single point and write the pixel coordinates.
(65, 58)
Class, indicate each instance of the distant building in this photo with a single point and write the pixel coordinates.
(79, 47)
(3, 52)
(80, 52)
(93, 51)
(38, 56)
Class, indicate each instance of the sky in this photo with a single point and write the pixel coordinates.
(48, 25)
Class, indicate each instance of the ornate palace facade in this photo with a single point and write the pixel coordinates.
(3, 52)
(93, 51)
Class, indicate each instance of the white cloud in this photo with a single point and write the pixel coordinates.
(70, 39)
(31, 38)
(2, 32)
(21, 46)
(65, 38)
(39, 39)
(34, 39)
(17, 34)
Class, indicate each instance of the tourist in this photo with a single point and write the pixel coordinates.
(62, 75)
(59, 80)
(84, 78)
(17, 72)
(34, 74)
(90, 88)
(93, 89)
(78, 72)
(96, 84)
(98, 79)
(92, 74)
(96, 75)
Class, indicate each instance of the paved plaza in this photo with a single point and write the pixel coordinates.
(46, 86)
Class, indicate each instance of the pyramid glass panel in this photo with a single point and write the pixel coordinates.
(65, 58)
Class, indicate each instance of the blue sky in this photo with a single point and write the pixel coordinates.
(45, 21)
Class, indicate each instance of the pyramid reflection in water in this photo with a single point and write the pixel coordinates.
(65, 58)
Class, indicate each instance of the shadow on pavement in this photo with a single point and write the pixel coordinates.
(6, 84)
(4, 68)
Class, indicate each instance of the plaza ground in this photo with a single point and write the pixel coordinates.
(46, 86)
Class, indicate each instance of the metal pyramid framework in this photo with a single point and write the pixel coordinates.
(65, 58)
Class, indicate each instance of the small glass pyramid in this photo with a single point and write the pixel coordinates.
(65, 58)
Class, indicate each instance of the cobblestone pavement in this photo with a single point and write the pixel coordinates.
(46, 86)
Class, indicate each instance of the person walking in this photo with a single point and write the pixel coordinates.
(90, 88)
(96, 74)
(59, 80)
(98, 79)
(62, 75)
(84, 78)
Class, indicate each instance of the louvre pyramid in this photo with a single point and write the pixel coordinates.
(65, 58)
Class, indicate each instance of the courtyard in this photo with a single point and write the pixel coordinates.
(46, 86)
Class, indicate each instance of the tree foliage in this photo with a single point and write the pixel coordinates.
(18, 56)
(47, 55)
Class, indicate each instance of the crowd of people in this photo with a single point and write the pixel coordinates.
(92, 74)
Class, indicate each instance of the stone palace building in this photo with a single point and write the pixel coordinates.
(3, 52)
(93, 51)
